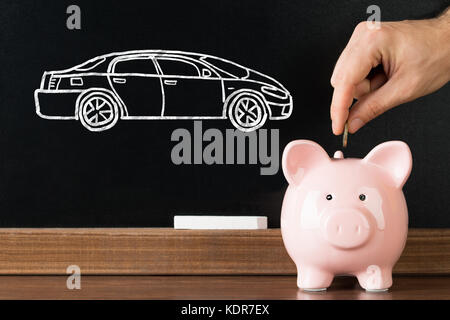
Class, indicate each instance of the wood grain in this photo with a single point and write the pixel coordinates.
(161, 251)
(214, 287)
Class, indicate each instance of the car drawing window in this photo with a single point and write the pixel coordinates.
(89, 65)
(177, 67)
(230, 68)
(143, 65)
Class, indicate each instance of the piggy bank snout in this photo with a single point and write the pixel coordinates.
(346, 229)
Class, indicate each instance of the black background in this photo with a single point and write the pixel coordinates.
(56, 173)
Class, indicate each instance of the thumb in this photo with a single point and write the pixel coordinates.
(374, 104)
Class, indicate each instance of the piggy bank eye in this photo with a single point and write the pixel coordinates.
(362, 197)
(329, 197)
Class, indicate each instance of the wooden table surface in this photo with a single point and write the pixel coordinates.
(212, 287)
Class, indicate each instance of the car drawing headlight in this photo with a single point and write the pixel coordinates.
(274, 92)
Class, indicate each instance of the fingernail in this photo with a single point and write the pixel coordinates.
(355, 125)
(334, 127)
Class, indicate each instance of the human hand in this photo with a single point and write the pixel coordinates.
(383, 68)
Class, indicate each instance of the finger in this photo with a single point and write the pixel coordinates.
(340, 104)
(352, 44)
(356, 61)
(352, 68)
(345, 86)
(362, 88)
(373, 104)
(368, 85)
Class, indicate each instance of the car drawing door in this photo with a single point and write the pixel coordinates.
(137, 82)
(190, 89)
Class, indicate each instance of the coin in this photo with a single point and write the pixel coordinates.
(345, 136)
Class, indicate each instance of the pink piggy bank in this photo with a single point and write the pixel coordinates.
(345, 216)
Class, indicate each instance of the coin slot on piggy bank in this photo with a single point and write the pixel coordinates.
(345, 215)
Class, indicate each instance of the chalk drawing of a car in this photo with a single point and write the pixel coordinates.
(160, 85)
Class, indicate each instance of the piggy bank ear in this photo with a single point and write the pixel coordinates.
(394, 157)
(299, 156)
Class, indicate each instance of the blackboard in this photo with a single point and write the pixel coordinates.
(57, 173)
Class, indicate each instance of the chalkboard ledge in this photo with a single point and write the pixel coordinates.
(166, 251)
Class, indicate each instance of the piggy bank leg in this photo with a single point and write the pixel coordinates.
(313, 279)
(375, 278)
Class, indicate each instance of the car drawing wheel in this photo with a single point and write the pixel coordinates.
(247, 112)
(98, 111)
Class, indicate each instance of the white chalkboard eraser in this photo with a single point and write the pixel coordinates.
(220, 222)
